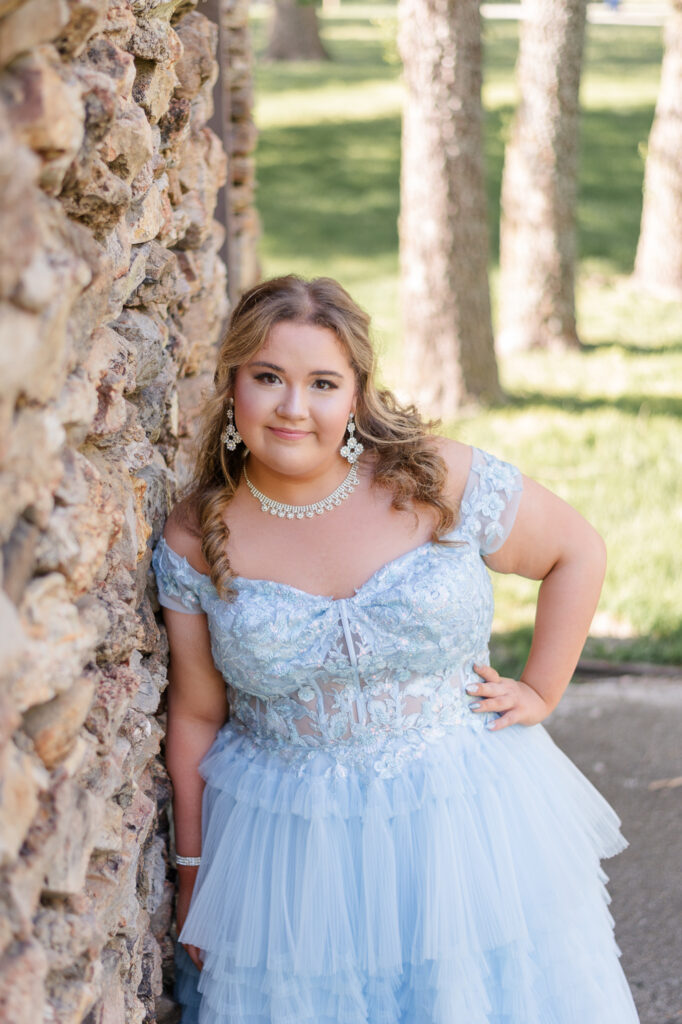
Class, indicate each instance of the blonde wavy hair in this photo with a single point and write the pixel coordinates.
(405, 459)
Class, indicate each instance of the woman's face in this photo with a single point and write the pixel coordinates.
(292, 399)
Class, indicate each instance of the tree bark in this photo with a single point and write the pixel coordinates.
(658, 264)
(540, 181)
(294, 32)
(449, 354)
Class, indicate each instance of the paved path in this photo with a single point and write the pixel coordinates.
(625, 734)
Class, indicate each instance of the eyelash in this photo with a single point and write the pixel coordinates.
(268, 378)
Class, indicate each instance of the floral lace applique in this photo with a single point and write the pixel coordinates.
(370, 679)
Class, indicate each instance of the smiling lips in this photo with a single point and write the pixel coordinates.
(288, 435)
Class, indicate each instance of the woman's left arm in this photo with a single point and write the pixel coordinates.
(551, 542)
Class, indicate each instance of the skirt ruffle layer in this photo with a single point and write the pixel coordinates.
(467, 889)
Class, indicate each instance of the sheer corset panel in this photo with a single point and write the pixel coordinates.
(370, 677)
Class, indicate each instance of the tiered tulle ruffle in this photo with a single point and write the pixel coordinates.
(465, 890)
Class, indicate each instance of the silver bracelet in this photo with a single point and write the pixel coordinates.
(190, 862)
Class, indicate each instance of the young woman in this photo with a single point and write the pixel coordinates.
(380, 832)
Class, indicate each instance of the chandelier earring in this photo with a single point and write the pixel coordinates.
(231, 436)
(353, 448)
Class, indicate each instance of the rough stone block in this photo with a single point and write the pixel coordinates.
(22, 976)
(32, 468)
(78, 814)
(175, 127)
(129, 144)
(59, 643)
(145, 218)
(33, 23)
(22, 781)
(116, 689)
(145, 737)
(103, 775)
(81, 529)
(197, 65)
(76, 406)
(127, 284)
(149, 337)
(243, 138)
(99, 197)
(8, 5)
(119, 22)
(142, 182)
(157, 8)
(111, 367)
(46, 112)
(54, 726)
(86, 17)
(100, 97)
(104, 56)
(66, 936)
(69, 995)
(109, 835)
(20, 236)
(241, 102)
(21, 347)
(156, 40)
(154, 85)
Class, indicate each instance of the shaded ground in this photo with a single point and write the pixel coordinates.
(624, 734)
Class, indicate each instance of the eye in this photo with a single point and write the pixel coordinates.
(267, 377)
(324, 385)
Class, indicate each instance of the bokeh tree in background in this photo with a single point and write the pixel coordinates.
(539, 182)
(295, 32)
(450, 359)
(658, 264)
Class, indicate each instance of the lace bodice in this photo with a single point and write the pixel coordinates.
(371, 678)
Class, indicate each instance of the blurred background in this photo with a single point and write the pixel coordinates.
(596, 418)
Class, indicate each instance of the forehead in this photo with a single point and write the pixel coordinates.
(304, 344)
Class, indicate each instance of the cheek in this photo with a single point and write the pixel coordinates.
(333, 416)
(250, 403)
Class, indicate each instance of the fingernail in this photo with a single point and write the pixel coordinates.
(491, 725)
(475, 706)
(472, 688)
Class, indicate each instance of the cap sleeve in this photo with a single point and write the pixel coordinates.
(177, 582)
(490, 501)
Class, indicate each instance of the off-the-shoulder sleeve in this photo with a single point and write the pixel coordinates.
(176, 580)
(490, 501)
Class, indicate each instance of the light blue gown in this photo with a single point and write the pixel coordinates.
(372, 853)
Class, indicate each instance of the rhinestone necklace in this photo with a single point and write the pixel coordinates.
(278, 508)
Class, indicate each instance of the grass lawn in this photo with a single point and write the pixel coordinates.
(602, 427)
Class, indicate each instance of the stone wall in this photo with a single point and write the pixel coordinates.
(111, 298)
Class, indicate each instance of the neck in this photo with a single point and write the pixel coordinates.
(300, 489)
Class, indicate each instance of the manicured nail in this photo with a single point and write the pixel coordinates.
(475, 706)
(472, 688)
(491, 725)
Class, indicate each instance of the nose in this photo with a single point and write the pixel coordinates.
(293, 404)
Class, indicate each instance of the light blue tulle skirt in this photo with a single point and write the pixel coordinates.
(465, 890)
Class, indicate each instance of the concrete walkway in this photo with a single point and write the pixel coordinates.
(625, 735)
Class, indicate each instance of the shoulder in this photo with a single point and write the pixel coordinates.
(182, 533)
(457, 458)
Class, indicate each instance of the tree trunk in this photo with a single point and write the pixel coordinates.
(540, 181)
(658, 265)
(450, 358)
(294, 32)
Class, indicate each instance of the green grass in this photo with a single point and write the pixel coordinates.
(602, 427)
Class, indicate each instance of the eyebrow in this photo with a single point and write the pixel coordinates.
(313, 373)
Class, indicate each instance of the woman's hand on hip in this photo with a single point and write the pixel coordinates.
(515, 701)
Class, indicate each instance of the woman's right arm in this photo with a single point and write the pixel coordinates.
(197, 708)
